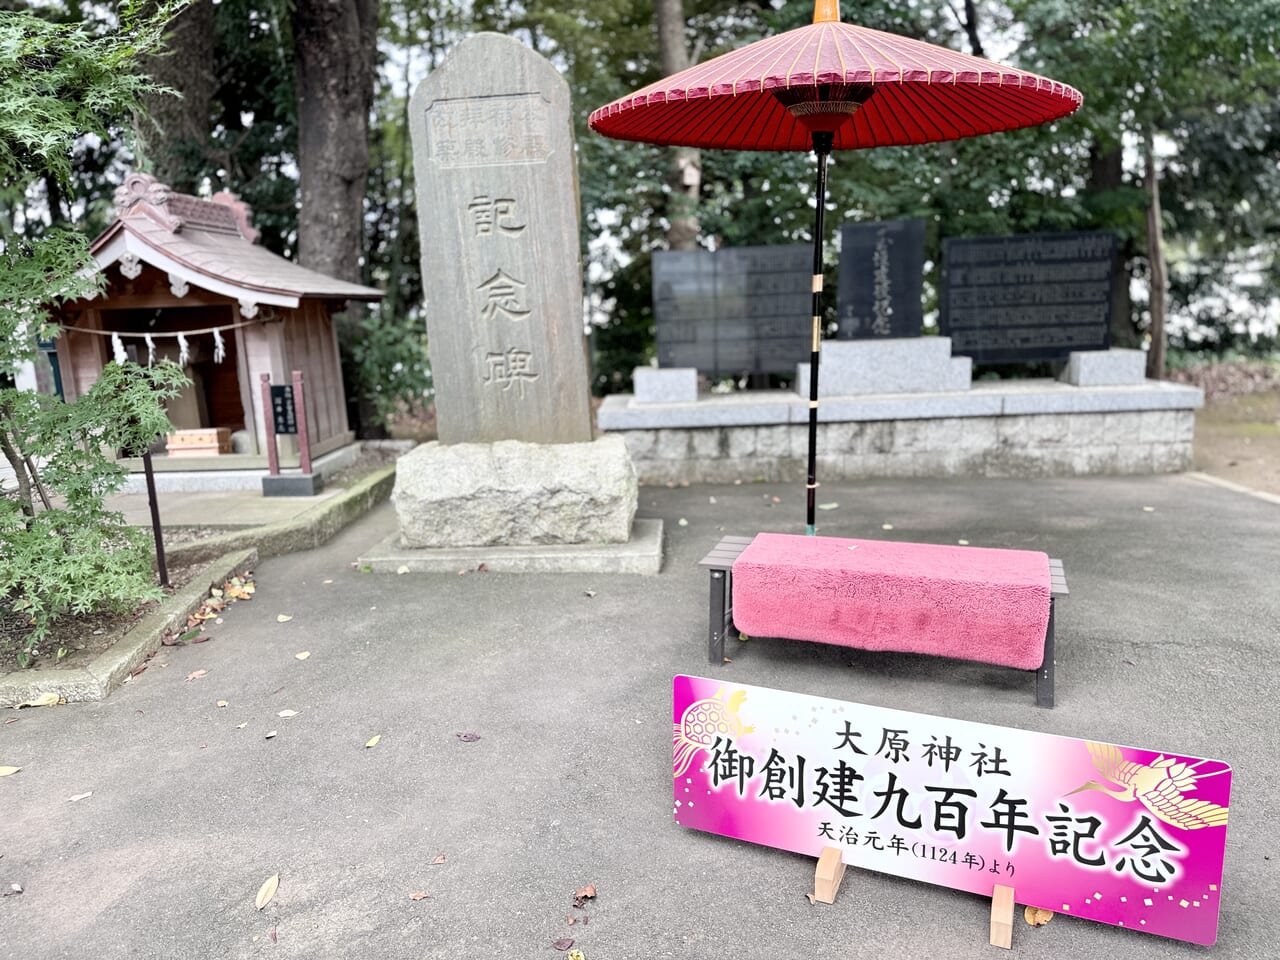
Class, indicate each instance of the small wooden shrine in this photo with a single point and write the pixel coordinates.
(186, 281)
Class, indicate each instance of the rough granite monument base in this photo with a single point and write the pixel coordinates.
(512, 493)
(642, 554)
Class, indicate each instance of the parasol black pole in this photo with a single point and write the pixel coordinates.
(822, 142)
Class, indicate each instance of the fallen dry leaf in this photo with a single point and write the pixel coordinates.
(272, 934)
(201, 639)
(283, 618)
(373, 741)
(195, 675)
(468, 737)
(286, 714)
(44, 700)
(571, 920)
(8, 771)
(564, 943)
(419, 895)
(584, 894)
(80, 796)
(438, 860)
(267, 891)
(1037, 916)
(140, 668)
(482, 568)
(302, 655)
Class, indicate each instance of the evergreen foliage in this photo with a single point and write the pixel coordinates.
(60, 550)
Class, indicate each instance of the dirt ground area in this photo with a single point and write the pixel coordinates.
(1238, 430)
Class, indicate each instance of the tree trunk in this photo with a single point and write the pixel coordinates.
(15, 459)
(971, 28)
(684, 176)
(1155, 257)
(179, 125)
(335, 58)
(1106, 173)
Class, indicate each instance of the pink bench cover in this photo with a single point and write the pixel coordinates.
(971, 603)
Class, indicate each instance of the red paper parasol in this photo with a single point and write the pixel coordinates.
(833, 86)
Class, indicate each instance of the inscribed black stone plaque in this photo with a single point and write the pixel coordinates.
(283, 412)
(735, 311)
(881, 271)
(1033, 297)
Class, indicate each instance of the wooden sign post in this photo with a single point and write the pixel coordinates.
(284, 411)
(1002, 916)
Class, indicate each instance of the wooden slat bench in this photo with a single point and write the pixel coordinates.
(720, 564)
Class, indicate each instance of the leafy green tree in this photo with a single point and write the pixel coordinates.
(1191, 90)
(60, 549)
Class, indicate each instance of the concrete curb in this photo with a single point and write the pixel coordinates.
(1229, 485)
(304, 532)
(108, 671)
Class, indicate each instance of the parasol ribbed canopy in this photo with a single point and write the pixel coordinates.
(911, 92)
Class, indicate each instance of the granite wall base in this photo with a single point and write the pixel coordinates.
(1039, 445)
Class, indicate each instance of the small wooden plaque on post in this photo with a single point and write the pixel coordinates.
(1002, 917)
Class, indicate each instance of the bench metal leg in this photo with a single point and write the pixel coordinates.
(1044, 676)
(717, 616)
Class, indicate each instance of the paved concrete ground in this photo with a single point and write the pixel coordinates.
(1167, 641)
(214, 508)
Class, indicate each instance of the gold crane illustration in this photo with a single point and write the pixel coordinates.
(1161, 787)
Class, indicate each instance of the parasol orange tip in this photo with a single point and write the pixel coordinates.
(826, 11)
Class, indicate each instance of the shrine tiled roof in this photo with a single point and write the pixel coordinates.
(208, 244)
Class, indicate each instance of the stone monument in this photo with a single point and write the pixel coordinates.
(502, 276)
(497, 189)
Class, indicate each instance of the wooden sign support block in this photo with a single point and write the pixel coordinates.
(827, 876)
(1002, 917)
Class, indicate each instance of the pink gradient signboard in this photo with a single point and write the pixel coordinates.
(1116, 834)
